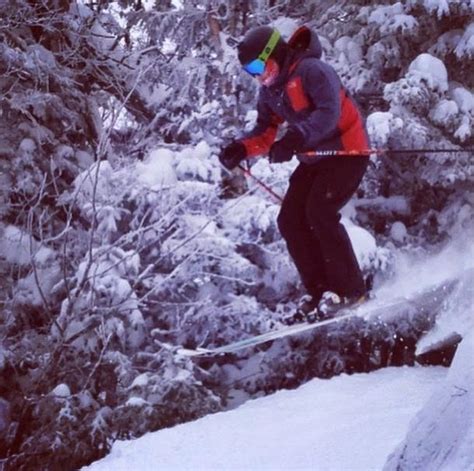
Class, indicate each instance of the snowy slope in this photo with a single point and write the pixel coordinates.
(441, 436)
(346, 423)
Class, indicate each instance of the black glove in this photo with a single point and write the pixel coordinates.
(231, 155)
(283, 150)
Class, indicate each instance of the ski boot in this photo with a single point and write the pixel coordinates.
(331, 304)
(306, 311)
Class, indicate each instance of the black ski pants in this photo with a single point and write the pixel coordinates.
(309, 221)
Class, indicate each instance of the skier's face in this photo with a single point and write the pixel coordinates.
(266, 72)
(272, 69)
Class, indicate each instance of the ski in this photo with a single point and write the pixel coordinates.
(426, 299)
(267, 336)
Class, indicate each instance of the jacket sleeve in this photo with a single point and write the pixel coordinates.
(260, 139)
(322, 86)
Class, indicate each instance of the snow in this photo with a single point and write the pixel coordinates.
(61, 390)
(362, 241)
(349, 49)
(440, 6)
(398, 231)
(18, 247)
(446, 43)
(148, 5)
(94, 181)
(456, 317)
(393, 19)
(403, 23)
(27, 145)
(442, 434)
(171, 251)
(463, 98)
(380, 125)
(157, 169)
(15, 245)
(194, 163)
(465, 47)
(84, 159)
(382, 14)
(286, 26)
(443, 111)
(253, 215)
(140, 381)
(160, 92)
(464, 131)
(318, 426)
(413, 274)
(393, 204)
(136, 402)
(430, 69)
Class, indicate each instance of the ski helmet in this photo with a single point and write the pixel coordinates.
(256, 43)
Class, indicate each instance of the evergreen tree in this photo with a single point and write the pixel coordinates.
(116, 244)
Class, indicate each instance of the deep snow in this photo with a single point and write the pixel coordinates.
(345, 423)
(441, 437)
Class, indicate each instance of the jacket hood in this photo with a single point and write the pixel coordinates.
(305, 42)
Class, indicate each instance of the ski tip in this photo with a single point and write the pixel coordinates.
(187, 352)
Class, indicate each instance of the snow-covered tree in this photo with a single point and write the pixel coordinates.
(116, 247)
(412, 60)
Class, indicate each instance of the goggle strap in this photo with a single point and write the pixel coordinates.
(270, 46)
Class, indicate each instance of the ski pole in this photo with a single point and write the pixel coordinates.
(350, 153)
(365, 152)
(260, 183)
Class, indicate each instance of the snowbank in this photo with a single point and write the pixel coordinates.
(346, 423)
(441, 436)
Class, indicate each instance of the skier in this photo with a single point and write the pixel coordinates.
(301, 89)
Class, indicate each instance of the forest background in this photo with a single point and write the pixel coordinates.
(121, 238)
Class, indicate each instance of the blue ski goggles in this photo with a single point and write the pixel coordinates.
(257, 66)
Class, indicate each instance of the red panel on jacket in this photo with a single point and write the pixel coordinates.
(296, 94)
(350, 125)
(261, 143)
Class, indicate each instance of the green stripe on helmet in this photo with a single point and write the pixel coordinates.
(270, 46)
